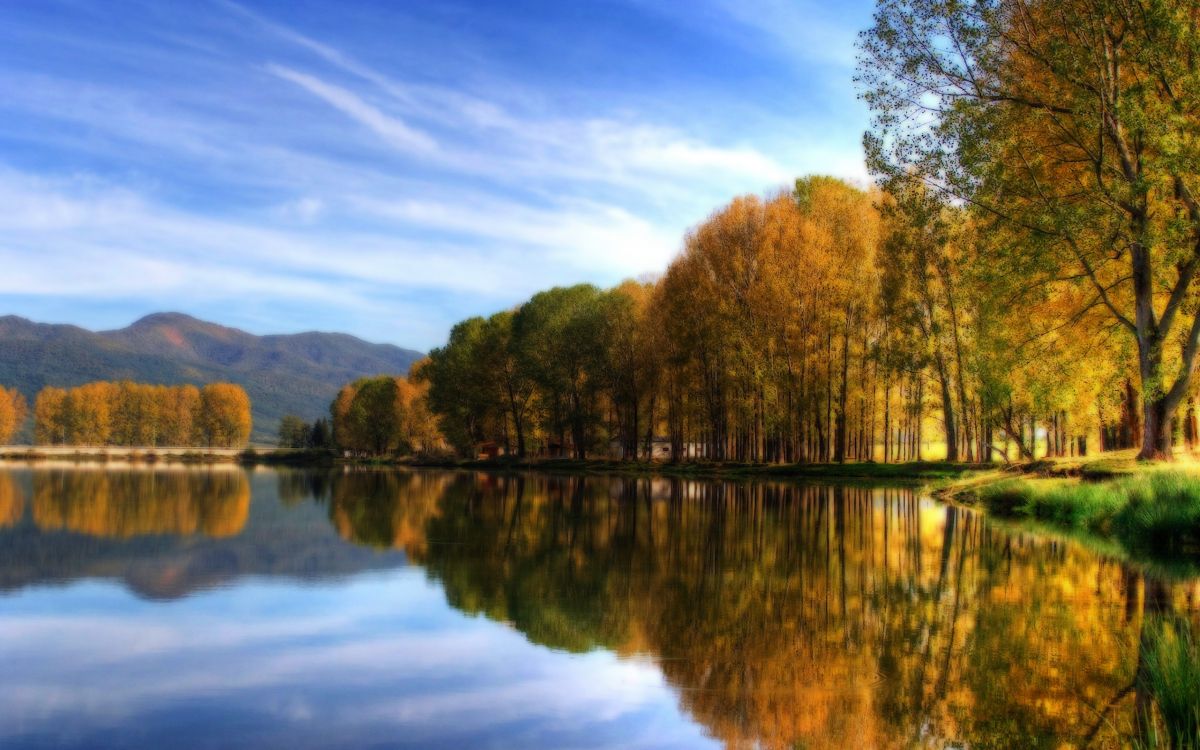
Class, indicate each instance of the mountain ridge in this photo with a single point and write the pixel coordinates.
(296, 373)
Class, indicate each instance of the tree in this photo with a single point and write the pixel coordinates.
(321, 435)
(1069, 123)
(50, 418)
(179, 411)
(558, 340)
(12, 413)
(384, 414)
(374, 418)
(473, 382)
(293, 432)
(224, 419)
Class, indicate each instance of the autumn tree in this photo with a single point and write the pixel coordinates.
(384, 414)
(50, 418)
(178, 412)
(13, 411)
(224, 418)
(1069, 122)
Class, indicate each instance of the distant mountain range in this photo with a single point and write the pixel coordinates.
(284, 374)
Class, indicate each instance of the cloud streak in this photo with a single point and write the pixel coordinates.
(386, 170)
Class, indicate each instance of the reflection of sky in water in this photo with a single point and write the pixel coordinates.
(380, 659)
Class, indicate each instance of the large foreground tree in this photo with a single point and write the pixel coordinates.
(1073, 126)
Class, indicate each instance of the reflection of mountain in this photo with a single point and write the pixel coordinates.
(799, 616)
(165, 545)
(135, 502)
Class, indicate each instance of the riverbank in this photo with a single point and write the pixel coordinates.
(118, 454)
(1148, 512)
(954, 475)
(916, 471)
(1157, 510)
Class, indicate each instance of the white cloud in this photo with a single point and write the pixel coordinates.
(391, 129)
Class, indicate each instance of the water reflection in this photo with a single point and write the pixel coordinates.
(812, 616)
(12, 501)
(135, 501)
(775, 615)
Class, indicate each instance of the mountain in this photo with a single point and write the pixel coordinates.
(284, 374)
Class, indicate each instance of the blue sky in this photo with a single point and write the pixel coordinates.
(389, 168)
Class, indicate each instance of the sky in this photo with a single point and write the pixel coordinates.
(387, 168)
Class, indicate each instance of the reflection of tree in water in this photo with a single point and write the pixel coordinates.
(296, 486)
(788, 615)
(385, 509)
(134, 502)
(12, 501)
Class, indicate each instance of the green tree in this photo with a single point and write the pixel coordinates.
(559, 340)
(293, 432)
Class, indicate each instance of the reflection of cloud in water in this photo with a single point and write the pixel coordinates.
(383, 656)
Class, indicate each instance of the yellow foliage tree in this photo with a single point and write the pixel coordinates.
(13, 411)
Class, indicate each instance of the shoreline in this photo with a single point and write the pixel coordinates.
(117, 454)
(971, 485)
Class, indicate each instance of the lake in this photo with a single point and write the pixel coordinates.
(218, 607)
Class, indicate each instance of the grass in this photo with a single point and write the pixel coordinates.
(1156, 511)
(1171, 673)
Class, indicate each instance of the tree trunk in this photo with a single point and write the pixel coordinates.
(947, 410)
(840, 446)
(1156, 430)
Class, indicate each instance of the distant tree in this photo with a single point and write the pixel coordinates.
(321, 435)
(179, 413)
(466, 382)
(293, 432)
(13, 411)
(375, 416)
(50, 417)
(384, 414)
(225, 419)
(419, 431)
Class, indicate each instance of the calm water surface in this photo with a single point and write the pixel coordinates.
(215, 608)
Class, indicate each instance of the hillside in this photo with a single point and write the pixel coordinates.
(284, 374)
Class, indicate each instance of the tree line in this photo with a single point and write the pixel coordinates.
(124, 413)
(825, 323)
(1017, 282)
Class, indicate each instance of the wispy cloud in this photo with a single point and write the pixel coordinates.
(391, 129)
(251, 162)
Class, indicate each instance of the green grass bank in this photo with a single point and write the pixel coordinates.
(1156, 511)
